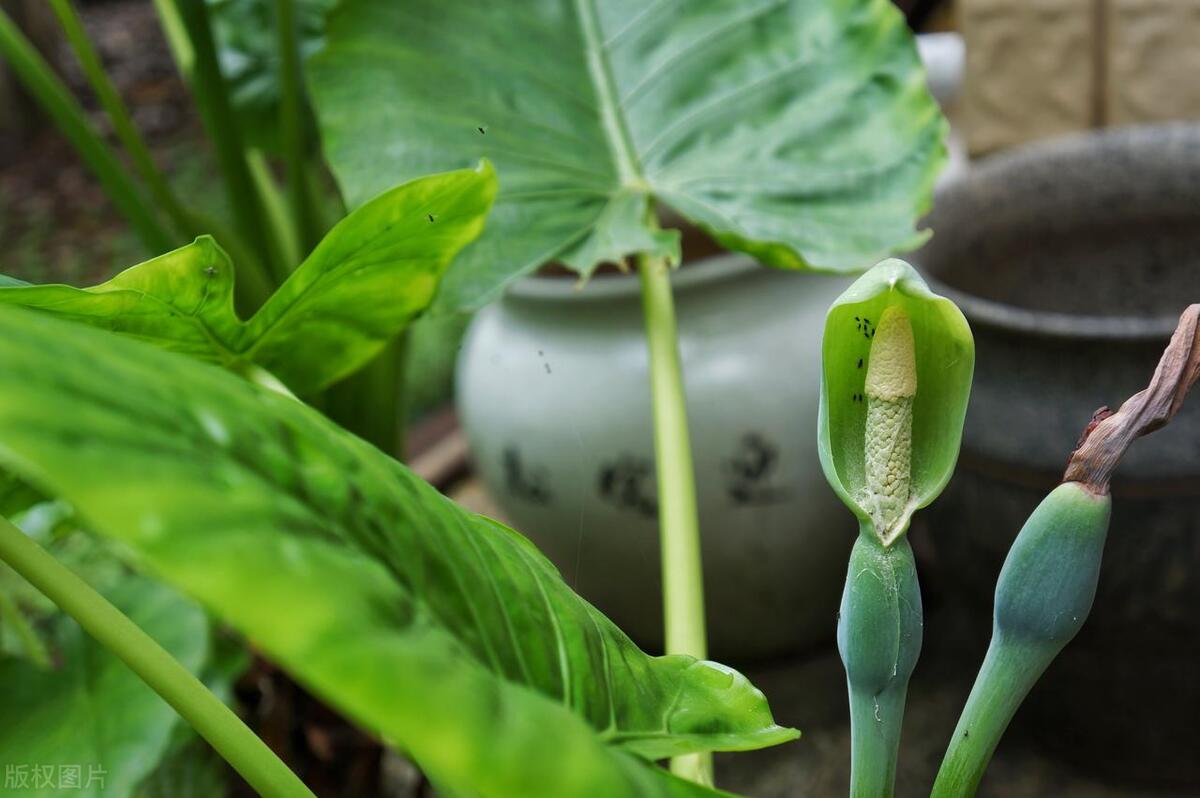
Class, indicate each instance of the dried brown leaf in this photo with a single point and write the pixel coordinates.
(1107, 437)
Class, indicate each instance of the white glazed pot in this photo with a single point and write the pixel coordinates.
(554, 395)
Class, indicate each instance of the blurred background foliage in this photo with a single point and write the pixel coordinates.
(57, 224)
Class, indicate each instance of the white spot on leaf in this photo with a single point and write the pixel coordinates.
(213, 427)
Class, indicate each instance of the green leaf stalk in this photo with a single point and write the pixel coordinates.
(879, 638)
(206, 713)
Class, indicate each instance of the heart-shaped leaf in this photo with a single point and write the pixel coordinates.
(798, 131)
(368, 278)
(444, 631)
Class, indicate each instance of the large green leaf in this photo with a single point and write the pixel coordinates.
(90, 727)
(360, 287)
(444, 631)
(798, 131)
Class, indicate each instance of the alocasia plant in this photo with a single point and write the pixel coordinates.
(263, 238)
(799, 132)
(361, 286)
(445, 632)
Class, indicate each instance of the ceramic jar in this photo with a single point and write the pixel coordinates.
(554, 395)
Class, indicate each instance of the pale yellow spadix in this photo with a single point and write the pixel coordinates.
(892, 369)
(891, 385)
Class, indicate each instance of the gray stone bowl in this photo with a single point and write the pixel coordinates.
(1072, 260)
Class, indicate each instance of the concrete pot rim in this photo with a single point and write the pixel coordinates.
(1156, 149)
(1046, 324)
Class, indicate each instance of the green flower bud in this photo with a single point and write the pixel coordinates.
(896, 375)
(1043, 596)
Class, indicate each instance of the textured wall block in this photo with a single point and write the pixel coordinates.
(1029, 69)
(1153, 60)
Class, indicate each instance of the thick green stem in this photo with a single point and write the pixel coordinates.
(187, 222)
(45, 87)
(1008, 674)
(212, 96)
(879, 638)
(292, 125)
(207, 714)
(126, 131)
(875, 723)
(679, 528)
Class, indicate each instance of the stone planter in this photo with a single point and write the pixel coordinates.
(554, 396)
(1072, 260)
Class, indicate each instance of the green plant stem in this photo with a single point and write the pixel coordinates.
(292, 125)
(255, 283)
(207, 714)
(1006, 677)
(126, 131)
(265, 379)
(282, 227)
(879, 639)
(679, 528)
(875, 721)
(45, 87)
(188, 222)
(330, 206)
(176, 36)
(212, 96)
